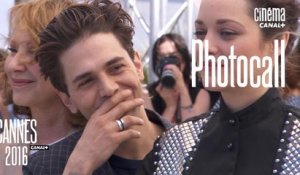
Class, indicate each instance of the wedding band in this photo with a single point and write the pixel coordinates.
(120, 124)
(123, 123)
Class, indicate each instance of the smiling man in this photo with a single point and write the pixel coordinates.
(87, 52)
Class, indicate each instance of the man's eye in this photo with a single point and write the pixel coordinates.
(85, 82)
(117, 68)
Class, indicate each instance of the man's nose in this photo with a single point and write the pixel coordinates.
(107, 86)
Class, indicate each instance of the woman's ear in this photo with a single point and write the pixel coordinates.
(138, 65)
(284, 36)
(68, 102)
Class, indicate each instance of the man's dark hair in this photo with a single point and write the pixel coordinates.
(75, 23)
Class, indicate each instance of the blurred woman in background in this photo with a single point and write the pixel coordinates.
(172, 95)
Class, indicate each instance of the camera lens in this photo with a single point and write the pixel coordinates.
(168, 79)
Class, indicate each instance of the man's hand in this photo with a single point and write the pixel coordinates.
(102, 136)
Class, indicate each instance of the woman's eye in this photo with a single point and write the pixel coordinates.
(228, 34)
(12, 50)
(200, 34)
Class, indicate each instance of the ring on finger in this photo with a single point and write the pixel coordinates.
(123, 123)
(120, 123)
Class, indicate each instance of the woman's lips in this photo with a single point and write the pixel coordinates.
(20, 82)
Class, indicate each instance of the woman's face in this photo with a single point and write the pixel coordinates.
(228, 23)
(23, 72)
(168, 48)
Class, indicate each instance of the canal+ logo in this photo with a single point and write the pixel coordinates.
(270, 17)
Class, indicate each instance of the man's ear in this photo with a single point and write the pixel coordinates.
(138, 65)
(68, 102)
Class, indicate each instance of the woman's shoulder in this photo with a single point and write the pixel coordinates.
(185, 135)
(293, 111)
(196, 122)
(293, 101)
(204, 116)
(288, 148)
(8, 169)
(55, 158)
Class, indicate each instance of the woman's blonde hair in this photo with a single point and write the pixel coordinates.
(33, 16)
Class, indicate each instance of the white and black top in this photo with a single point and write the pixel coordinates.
(262, 139)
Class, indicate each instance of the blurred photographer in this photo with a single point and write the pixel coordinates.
(172, 95)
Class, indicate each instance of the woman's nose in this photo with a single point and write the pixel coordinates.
(16, 62)
(212, 43)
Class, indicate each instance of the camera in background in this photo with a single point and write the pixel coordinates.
(167, 77)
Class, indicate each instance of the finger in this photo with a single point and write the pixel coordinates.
(128, 121)
(113, 101)
(127, 135)
(110, 127)
(170, 67)
(159, 87)
(120, 109)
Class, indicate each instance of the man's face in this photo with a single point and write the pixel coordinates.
(95, 68)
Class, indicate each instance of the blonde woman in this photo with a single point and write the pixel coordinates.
(55, 123)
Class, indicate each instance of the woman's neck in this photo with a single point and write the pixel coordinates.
(52, 122)
(239, 98)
